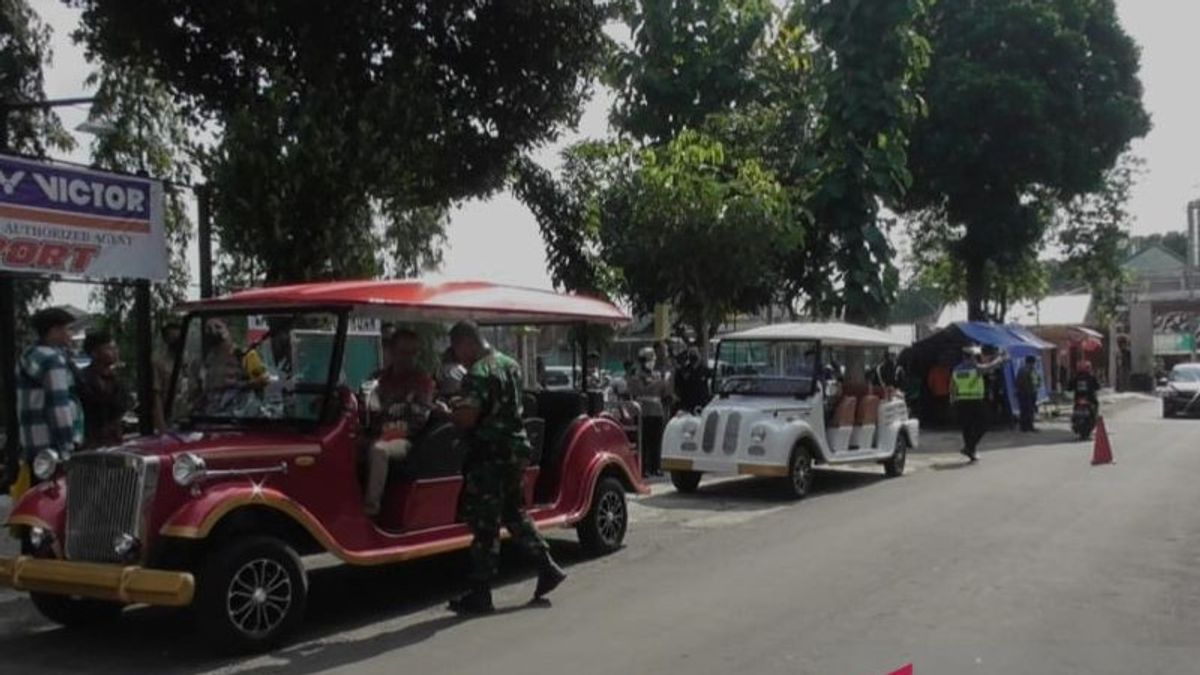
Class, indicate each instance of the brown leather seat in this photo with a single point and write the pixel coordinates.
(868, 411)
(843, 415)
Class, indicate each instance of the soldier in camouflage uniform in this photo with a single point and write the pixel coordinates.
(489, 412)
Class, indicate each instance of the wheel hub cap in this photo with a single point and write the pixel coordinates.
(259, 597)
(610, 517)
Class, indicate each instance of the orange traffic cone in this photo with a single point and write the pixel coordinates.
(1101, 449)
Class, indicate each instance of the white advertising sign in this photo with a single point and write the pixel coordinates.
(73, 222)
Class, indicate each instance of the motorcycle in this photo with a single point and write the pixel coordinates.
(1083, 418)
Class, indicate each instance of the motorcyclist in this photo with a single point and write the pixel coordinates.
(1085, 385)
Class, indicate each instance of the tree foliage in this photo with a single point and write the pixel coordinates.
(693, 227)
(819, 97)
(142, 130)
(347, 129)
(1093, 233)
(869, 60)
(689, 60)
(567, 212)
(24, 55)
(1029, 101)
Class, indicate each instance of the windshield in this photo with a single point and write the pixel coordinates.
(274, 367)
(1185, 375)
(766, 368)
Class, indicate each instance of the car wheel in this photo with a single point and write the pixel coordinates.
(252, 593)
(1168, 410)
(894, 465)
(74, 612)
(800, 472)
(603, 528)
(685, 481)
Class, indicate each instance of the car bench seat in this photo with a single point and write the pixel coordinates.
(841, 426)
(558, 409)
(865, 422)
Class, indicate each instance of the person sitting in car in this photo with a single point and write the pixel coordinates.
(404, 400)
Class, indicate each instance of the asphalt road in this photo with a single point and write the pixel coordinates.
(1032, 561)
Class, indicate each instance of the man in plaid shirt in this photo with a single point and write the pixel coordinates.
(47, 406)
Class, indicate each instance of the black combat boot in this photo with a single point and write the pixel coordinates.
(550, 575)
(476, 601)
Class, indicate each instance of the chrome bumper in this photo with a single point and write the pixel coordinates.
(126, 584)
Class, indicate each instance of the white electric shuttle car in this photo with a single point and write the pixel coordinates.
(789, 397)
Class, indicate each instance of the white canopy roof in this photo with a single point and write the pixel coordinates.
(842, 334)
(1054, 310)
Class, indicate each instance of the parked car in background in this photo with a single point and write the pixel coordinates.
(1181, 395)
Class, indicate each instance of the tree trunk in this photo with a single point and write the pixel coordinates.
(976, 291)
(703, 336)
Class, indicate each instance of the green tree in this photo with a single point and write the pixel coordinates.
(142, 130)
(1030, 101)
(344, 125)
(689, 60)
(567, 212)
(1093, 232)
(24, 55)
(821, 96)
(693, 227)
(869, 60)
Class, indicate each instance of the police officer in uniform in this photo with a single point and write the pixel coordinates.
(968, 393)
(488, 410)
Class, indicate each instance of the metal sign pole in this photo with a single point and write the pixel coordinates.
(8, 348)
(8, 367)
(145, 362)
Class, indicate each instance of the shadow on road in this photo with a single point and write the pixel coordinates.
(760, 494)
(342, 599)
(942, 442)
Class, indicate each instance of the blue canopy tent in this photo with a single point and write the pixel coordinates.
(944, 349)
(1020, 344)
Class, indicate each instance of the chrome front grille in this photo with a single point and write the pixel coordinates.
(733, 425)
(106, 492)
(709, 440)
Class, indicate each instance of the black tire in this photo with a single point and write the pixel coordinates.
(686, 481)
(602, 530)
(1168, 410)
(252, 593)
(73, 612)
(800, 472)
(893, 467)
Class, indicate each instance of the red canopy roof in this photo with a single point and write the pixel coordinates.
(416, 300)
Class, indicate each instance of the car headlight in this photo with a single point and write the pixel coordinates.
(40, 537)
(46, 463)
(188, 468)
(758, 434)
(690, 429)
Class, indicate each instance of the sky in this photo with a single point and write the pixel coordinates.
(497, 239)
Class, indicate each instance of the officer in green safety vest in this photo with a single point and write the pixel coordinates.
(968, 391)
